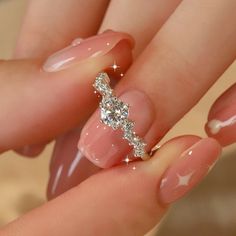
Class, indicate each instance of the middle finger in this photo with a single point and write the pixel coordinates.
(154, 14)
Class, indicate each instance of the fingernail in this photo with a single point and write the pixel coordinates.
(106, 147)
(188, 170)
(31, 150)
(68, 166)
(80, 50)
(223, 126)
(68, 173)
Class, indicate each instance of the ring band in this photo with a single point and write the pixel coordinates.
(114, 113)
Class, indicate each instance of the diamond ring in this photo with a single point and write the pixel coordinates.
(114, 113)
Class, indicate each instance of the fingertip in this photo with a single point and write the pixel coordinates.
(221, 123)
(31, 151)
(188, 170)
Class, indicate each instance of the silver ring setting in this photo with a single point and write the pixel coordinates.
(114, 113)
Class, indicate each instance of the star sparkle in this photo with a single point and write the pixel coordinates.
(115, 66)
(183, 180)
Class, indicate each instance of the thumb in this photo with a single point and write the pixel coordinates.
(125, 200)
(38, 104)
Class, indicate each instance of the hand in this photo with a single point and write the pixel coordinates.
(180, 52)
(125, 200)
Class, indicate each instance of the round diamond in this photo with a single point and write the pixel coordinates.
(127, 125)
(113, 111)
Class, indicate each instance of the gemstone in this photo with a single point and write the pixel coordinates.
(129, 136)
(127, 125)
(139, 152)
(101, 84)
(138, 142)
(113, 111)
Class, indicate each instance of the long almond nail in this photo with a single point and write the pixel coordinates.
(106, 147)
(192, 166)
(68, 166)
(80, 50)
(223, 126)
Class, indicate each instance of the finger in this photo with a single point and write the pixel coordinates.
(47, 28)
(31, 150)
(176, 77)
(39, 37)
(138, 18)
(68, 168)
(135, 196)
(52, 103)
(222, 118)
(142, 29)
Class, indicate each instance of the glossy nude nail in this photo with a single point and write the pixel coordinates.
(106, 147)
(68, 166)
(223, 125)
(80, 50)
(188, 170)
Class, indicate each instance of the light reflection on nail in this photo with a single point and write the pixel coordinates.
(74, 164)
(57, 177)
(60, 64)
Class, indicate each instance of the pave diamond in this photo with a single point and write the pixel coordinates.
(129, 136)
(127, 125)
(113, 111)
(101, 84)
(139, 152)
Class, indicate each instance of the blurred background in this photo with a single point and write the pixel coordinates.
(209, 210)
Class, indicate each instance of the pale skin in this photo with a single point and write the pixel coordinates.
(174, 40)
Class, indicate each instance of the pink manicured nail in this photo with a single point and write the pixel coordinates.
(80, 50)
(104, 146)
(223, 126)
(68, 166)
(192, 166)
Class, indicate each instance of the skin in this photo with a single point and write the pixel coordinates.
(124, 202)
(184, 52)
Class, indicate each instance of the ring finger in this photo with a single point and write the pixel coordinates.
(177, 77)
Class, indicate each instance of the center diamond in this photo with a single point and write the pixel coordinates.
(113, 111)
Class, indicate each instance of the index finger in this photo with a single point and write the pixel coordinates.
(51, 25)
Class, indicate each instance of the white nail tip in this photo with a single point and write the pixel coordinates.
(216, 125)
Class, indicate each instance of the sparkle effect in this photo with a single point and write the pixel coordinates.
(115, 66)
(184, 180)
(127, 160)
